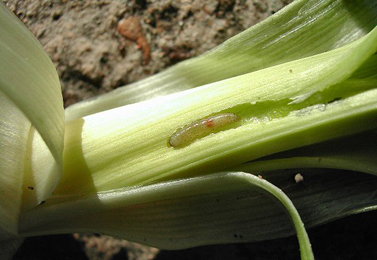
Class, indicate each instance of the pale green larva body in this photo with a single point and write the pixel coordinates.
(201, 128)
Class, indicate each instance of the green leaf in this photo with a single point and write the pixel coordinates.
(180, 214)
(29, 79)
(206, 210)
(302, 29)
(30, 97)
(281, 108)
(354, 153)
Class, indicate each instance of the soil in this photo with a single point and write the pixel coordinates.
(100, 45)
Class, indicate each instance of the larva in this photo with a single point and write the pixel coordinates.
(201, 128)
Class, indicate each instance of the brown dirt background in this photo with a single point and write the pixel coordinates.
(92, 57)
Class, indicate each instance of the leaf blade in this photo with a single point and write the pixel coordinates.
(25, 68)
(129, 145)
(171, 206)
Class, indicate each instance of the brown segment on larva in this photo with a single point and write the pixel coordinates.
(201, 128)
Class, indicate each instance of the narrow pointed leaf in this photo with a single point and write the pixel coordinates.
(173, 215)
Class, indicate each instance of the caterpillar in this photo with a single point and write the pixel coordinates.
(201, 128)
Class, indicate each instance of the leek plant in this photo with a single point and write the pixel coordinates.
(303, 88)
